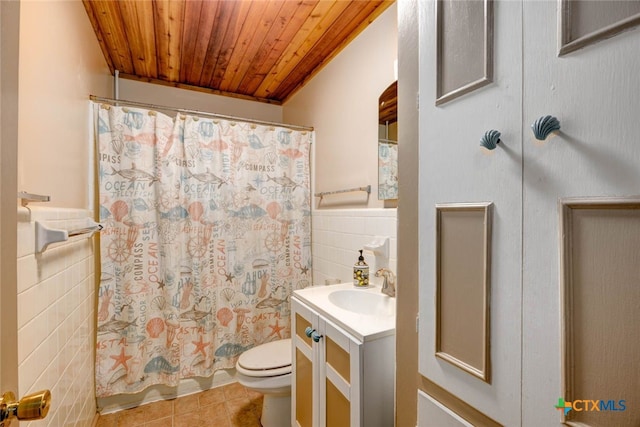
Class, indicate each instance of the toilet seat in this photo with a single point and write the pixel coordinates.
(266, 360)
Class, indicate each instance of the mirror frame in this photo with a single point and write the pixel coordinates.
(387, 146)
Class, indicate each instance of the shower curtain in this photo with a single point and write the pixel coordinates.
(207, 233)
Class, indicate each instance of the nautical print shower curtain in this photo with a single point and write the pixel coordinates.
(207, 233)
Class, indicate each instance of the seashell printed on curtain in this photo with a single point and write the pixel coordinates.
(207, 233)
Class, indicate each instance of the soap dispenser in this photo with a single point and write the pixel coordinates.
(360, 272)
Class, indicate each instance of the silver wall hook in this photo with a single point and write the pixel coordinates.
(544, 126)
(490, 140)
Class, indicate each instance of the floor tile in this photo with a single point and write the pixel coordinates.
(216, 414)
(108, 420)
(192, 419)
(234, 391)
(186, 404)
(215, 395)
(135, 417)
(161, 422)
(161, 409)
(228, 406)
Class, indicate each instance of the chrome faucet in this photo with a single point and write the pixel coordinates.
(388, 282)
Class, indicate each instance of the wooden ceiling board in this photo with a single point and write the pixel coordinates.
(190, 38)
(110, 26)
(254, 47)
(216, 38)
(161, 13)
(231, 41)
(329, 44)
(146, 18)
(303, 41)
(263, 50)
(137, 18)
(245, 47)
(211, 15)
(275, 42)
(273, 25)
(169, 18)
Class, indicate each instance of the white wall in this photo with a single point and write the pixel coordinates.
(341, 103)
(133, 90)
(61, 64)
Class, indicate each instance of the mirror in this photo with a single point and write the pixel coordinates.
(388, 143)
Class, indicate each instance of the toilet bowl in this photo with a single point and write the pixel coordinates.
(266, 369)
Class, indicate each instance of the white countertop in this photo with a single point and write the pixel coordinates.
(361, 326)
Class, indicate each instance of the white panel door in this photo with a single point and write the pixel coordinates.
(594, 92)
(454, 168)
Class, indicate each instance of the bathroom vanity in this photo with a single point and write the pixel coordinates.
(343, 357)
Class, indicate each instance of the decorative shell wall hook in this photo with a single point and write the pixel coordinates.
(544, 126)
(490, 140)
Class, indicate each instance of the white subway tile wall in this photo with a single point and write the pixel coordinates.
(338, 234)
(56, 310)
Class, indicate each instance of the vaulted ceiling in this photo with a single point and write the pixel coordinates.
(261, 50)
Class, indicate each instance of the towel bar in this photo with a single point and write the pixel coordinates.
(326, 193)
(46, 236)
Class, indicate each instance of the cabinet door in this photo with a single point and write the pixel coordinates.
(304, 407)
(594, 94)
(455, 169)
(340, 378)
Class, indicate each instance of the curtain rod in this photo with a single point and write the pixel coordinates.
(195, 112)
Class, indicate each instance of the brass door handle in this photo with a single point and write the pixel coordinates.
(34, 406)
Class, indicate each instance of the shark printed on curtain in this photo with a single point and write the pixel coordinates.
(207, 233)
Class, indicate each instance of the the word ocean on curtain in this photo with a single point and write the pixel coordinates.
(207, 233)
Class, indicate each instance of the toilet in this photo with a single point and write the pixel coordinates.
(266, 369)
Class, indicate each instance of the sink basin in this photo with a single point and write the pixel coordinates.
(365, 313)
(362, 302)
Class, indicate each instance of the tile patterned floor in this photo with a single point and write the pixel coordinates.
(231, 405)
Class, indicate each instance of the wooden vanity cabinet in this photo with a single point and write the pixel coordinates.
(339, 381)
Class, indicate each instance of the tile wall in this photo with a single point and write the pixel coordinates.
(56, 306)
(338, 234)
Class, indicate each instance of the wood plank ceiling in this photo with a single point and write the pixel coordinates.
(261, 50)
